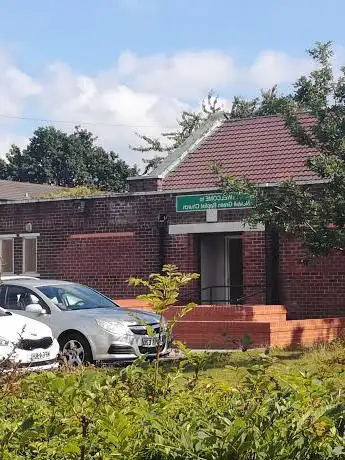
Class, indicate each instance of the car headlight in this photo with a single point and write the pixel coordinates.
(3, 342)
(114, 327)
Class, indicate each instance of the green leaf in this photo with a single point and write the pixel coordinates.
(27, 424)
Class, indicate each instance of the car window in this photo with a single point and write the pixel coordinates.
(2, 295)
(75, 297)
(18, 298)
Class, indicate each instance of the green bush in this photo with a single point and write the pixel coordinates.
(79, 191)
(275, 412)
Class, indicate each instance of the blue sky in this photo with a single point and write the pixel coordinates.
(137, 63)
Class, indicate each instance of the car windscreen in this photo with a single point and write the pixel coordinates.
(75, 297)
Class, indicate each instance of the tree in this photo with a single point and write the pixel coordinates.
(68, 160)
(151, 164)
(163, 292)
(317, 217)
(270, 103)
(273, 103)
(188, 123)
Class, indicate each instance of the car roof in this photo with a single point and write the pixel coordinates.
(17, 277)
(35, 282)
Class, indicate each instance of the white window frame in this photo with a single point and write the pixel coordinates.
(10, 237)
(29, 236)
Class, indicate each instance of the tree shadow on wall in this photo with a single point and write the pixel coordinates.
(329, 329)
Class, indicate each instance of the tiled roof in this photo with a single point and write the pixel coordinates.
(17, 191)
(261, 149)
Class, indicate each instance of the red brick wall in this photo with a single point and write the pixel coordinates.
(219, 335)
(97, 261)
(144, 185)
(229, 334)
(129, 245)
(183, 251)
(255, 313)
(254, 267)
(306, 332)
(103, 241)
(219, 327)
(315, 290)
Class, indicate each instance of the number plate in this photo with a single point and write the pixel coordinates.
(40, 356)
(152, 341)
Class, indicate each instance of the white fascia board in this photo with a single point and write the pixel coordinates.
(214, 227)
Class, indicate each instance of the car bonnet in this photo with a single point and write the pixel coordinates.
(14, 327)
(129, 316)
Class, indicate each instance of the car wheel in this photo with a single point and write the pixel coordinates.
(75, 349)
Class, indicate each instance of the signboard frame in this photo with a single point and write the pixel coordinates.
(217, 200)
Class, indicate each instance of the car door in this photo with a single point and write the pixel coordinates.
(2, 295)
(17, 298)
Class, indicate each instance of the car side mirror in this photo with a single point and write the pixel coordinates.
(35, 308)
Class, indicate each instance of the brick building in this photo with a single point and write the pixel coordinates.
(176, 215)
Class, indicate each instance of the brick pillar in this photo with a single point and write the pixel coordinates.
(272, 266)
(184, 251)
(254, 267)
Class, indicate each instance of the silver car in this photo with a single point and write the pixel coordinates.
(89, 326)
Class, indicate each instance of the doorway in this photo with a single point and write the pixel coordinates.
(221, 268)
(234, 269)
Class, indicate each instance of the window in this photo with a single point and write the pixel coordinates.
(75, 297)
(6, 254)
(18, 298)
(29, 253)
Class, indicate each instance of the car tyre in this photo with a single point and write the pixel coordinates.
(75, 349)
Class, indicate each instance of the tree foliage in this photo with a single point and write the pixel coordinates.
(163, 292)
(69, 160)
(317, 216)
(75, 192)
(163, 288)
(270, 102)
(187, 124)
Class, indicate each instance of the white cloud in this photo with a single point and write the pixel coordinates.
(105, 100)
(15, 86)
(7, 139)
(185, 75)
(273, 67)
(138, 93)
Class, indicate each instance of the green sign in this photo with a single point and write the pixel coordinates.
(197, 203)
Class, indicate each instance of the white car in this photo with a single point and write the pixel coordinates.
(88, 326)
(26, 343)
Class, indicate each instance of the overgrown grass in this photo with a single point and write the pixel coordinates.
(240, 406)
(325, 359)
